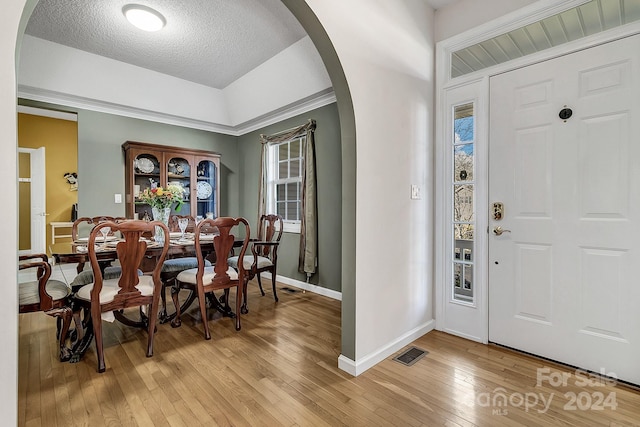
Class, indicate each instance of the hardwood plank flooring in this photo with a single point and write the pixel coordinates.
(281, 369)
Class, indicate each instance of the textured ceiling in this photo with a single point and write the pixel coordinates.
(589, 18)
(211, 42)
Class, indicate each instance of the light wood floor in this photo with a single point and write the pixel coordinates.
(281, 369)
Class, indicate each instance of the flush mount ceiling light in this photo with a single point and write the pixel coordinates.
(144, 17)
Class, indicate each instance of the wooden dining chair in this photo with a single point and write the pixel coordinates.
(220, 276)
(173, 266)
(81, 228)
(46, 295)
(264, 254)
(129, 289)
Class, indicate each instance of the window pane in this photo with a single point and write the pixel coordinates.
(281, 209)
(283, 170)
(463, 162)
(292, 191)
(463, 203)
(462, 250)
(294, 171)
(468, 278)
(463, 123)
(292, 211)
(463, 282)
(295, 148)
(457, 275)
(462, 232)
(283, 151)
(281, 191)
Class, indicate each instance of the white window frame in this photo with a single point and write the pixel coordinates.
(289, 226)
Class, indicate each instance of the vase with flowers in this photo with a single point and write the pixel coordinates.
(161, 201)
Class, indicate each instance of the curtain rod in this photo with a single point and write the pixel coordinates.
(282, 132)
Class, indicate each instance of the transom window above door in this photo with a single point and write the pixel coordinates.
(589, 18)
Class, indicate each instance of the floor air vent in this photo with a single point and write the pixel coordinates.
(410, 356)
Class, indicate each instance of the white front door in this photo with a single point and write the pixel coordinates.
(562, 280)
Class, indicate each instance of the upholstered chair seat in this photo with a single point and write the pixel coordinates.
(28, 292)
(189, 276)
(110, 288)
(247, 262)
(86, 276)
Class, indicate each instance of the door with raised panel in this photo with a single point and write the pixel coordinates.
(564, 161)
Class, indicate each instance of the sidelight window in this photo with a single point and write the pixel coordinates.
(463, 212)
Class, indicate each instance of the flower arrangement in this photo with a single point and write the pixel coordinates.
(162, 198)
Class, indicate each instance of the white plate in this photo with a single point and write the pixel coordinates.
(204, 190)
(145, 165)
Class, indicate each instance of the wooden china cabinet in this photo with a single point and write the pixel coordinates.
(197, 171)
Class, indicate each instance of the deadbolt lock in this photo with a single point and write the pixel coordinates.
(498, 211)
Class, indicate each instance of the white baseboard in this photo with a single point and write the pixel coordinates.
(304, 285)
(355, 368)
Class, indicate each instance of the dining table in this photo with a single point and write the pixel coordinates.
(105, 249)
(76, 252)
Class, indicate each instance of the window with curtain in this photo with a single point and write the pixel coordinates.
(284, 177)
(288, 187)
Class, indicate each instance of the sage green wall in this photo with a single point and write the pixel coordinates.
(101, 160)
(329, 181)
(101, 175)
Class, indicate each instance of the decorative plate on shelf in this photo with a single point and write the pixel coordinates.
(204, 190)
(145, 165)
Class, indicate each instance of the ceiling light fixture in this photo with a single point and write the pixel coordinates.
(144, 17)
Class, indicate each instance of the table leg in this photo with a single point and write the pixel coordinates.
(83, 340)
(214, 302)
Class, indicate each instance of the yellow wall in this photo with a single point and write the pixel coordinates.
(60, 139)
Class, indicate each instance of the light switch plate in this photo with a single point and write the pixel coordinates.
(415, 192)
(118, 198)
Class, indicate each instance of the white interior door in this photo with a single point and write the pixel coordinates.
(562, 280)
(38, 213)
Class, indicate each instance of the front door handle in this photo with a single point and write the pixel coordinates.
(499, 230)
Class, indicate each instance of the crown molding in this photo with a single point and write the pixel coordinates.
(54, 114)
(299, 107)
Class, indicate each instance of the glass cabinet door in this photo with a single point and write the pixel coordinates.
(179, 173)
(207, 189)
(146, 175)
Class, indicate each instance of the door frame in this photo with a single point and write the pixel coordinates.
(475, 87)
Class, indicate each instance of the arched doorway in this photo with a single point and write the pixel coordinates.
(17, 16)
